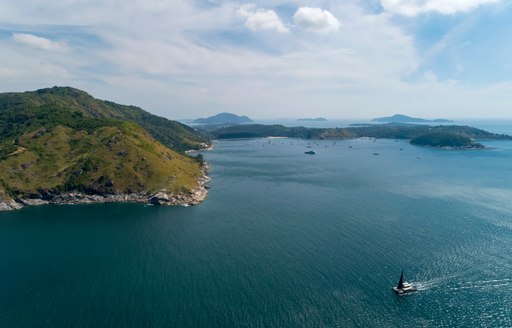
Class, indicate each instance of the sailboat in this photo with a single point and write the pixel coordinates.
(404, 287)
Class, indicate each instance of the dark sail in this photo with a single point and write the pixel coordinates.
(401, 281)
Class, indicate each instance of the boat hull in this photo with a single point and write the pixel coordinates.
(404, 287)
(405, 290)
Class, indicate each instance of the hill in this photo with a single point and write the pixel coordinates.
(224, 118)
(31, 103)
(399, 118)
(445, 140)
(262, 131)
(60, 145)
(437, 136)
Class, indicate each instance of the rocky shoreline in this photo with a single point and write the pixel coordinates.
(163, 198)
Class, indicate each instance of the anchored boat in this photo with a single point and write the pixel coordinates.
(404, 287)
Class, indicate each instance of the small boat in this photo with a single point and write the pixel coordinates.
(310, 152)
(404, 287)
(376, 154)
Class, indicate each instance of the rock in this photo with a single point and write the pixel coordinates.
(160, 198)
(43, 197)
(32, 201)
(9, 205)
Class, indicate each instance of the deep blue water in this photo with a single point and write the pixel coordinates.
(284, 240)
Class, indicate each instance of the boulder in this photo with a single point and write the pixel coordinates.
(160, 198)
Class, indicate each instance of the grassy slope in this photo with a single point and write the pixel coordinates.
(170, 133)
(62, 139)
(119, 158)
(392, 131)
(441, 139)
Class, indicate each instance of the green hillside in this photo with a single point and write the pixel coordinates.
(425, 135)
(445, 140)
(27, 106)
(57, 143)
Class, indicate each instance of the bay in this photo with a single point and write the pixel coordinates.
(283, 240)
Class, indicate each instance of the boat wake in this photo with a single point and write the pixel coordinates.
(479, 284)
(484, 284)
(433, 283)
(423, 285)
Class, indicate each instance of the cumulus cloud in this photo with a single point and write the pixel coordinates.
(258, 19)
(446, 7)
(38, 42)
(316, 20)
(154, 53)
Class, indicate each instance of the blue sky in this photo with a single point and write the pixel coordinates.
(268, 59)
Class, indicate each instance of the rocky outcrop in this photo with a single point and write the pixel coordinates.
(9, 205)
(193, 197)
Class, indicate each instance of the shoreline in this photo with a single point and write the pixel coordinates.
(211, 146)
(193, 197)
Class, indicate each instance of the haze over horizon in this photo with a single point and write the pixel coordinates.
(266, 59)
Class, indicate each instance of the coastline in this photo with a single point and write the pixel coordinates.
(162, 198)
(206, 147)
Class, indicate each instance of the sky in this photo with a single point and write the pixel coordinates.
(267, 59)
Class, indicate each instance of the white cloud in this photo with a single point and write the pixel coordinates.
(39, 42)
(180, 49)
(316, 20)
(29, 69)
(446, 7)
(163, 55)
(261, 19)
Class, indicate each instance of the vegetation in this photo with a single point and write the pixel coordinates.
(399, 118)
(223, 118)
(260, 130)
(77, 109)
(61, 139)
(439, 136)
(409, 131)
(445, 140)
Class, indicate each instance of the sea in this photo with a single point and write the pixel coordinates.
(285, 239)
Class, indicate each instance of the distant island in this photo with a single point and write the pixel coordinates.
(224, 118)
(399, 118)
(318, 119)
(62, 146)
(446, 140)
(442, 136)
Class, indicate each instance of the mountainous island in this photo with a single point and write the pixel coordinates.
(442, 136)
(224, 118)
(60, 145)
(399, 118)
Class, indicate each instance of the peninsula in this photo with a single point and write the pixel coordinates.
(62, 146)
(442, 136)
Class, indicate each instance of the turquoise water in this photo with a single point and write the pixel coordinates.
(284, 240)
